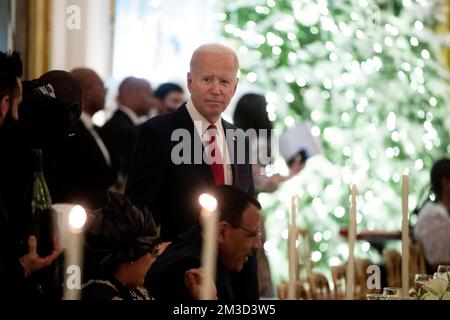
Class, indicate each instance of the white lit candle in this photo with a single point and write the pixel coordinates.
(292, 238)
(405, 235)
(74, 253)
(350, 275)
(210, 218)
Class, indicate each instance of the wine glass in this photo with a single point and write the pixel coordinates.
(373, 296)
(443, 271)
(391, 293)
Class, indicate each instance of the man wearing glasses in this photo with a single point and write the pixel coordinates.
(176, 274)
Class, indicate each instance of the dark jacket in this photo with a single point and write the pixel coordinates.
(171, 191)
(119, 135)
(165, 279)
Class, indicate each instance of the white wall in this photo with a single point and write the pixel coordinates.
(90, 45)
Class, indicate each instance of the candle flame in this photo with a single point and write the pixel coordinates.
(77, 218)
(208, 202)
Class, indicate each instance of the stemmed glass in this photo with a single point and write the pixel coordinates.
(391, 293)
(374, 296)
(443, 271)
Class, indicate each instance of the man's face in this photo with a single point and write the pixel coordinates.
(173, 100)
(96, 94)
(16, 101)
(212, 83)
(236, 244)
(6, 103)
(144, 99)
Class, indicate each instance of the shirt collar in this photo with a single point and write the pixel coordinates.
(200, 122)
(131, 114)
(87, 120)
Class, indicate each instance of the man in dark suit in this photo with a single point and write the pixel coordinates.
(18, 265)
(91, 173)
(176, 274)
(171, 188)
(135, 100)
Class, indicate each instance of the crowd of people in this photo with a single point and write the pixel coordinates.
(144, 238)
(122, 174)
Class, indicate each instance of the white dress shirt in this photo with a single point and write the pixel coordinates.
(201, 126)
(133, 116)
(89, 125)
(433, 232)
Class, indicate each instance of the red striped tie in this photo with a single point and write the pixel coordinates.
(217, 165)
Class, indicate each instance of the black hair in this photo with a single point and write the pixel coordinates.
(232, 202)
(440, 171)
(251, 113)
(11, 68)
(166, 88)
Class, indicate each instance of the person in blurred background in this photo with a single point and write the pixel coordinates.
(171, 96)
(432, 230)
(135, 100)
(251, 114)
(91, 164)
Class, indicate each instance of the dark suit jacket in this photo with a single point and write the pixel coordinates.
(89, 176)
(165, 279)
(119, 135)
(171, 191)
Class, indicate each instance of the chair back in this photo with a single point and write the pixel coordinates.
(416, 261)
(393, 262)
(300, 292)
(318, 286)
(338, 276)
(361, 287)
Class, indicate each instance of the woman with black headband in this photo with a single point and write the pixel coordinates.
(121, 245)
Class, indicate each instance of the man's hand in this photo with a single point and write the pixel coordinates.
(32, 262)
(193, 280)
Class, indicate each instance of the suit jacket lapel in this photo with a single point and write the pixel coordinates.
(186, 122)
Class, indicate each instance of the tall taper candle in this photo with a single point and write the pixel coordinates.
(74, 258)
(405, 235)
(292, 238)
(350, 272)
(210, 218)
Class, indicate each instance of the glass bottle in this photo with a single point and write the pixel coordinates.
(41, 209)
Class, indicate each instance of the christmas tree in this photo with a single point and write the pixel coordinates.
(369, 75)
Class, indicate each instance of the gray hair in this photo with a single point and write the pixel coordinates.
(214, 48)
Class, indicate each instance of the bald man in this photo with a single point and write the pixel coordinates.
(171, 190)
(91, 174)
(135, 99)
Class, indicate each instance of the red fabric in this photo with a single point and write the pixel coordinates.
(217, 165)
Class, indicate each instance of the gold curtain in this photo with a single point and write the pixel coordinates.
(39, 37)
(445, 28)
(448, 31)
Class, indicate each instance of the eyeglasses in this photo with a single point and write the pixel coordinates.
(253, 234)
